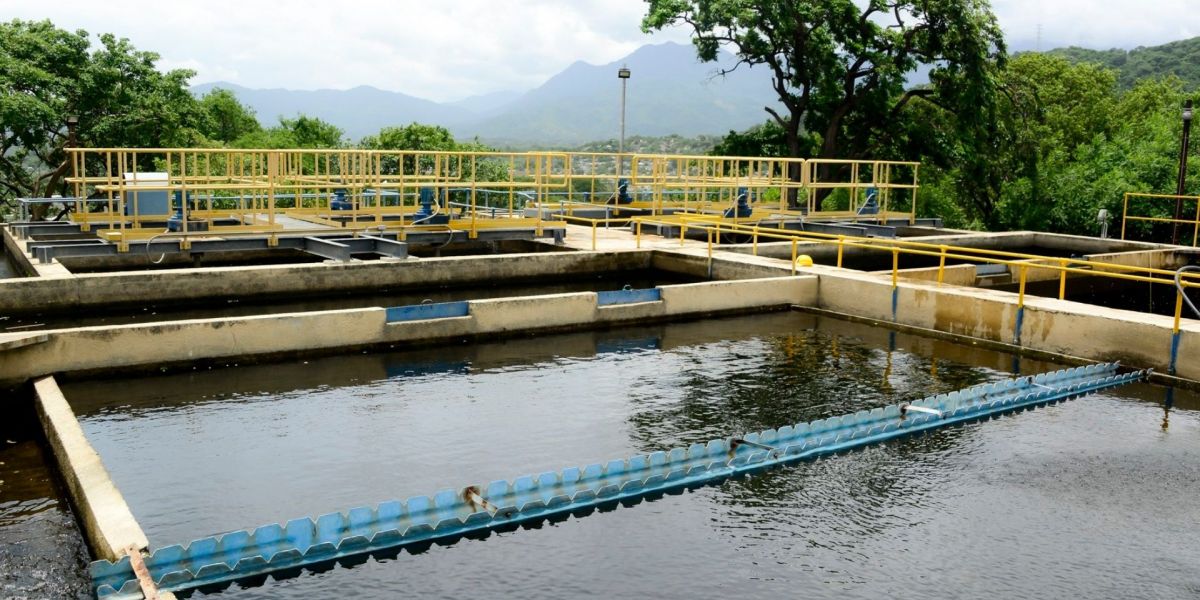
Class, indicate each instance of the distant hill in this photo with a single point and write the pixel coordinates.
(1180, 58)
(358, 111)
(670, 92)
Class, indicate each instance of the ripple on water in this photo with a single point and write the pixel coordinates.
(1091, 498)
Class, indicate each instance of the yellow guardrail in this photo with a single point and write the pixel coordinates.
(1193, 222)
(1022, 262)
(258, 187)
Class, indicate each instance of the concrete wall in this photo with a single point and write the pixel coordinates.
(115, 289)
(108, 525)
(695, 262)
(16, 254)
(91, 349)
(1048, 324)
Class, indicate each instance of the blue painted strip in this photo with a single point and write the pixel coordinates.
(1174, 352)
(437, 310)
(628, 296)
(450, 514)
(1020, 322)
(895, 301)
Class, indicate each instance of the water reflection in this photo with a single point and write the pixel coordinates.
(990, 508)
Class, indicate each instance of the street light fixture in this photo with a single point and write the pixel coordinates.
(72, 123)
(1182, 181)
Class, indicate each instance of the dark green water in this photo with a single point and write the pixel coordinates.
(42, 554)
(1093, 498)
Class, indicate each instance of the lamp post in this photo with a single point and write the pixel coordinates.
(1183, 156)
(72, 123)
(623, 75)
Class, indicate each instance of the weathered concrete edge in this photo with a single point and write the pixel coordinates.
(16, 253)
(1023, 351)
(108, 524)
(88, 290)
(117, 348)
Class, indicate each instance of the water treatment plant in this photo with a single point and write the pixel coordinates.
(322, 373)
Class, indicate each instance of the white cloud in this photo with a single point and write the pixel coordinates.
(445, 51)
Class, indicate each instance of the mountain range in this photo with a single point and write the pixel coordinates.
(670, 92)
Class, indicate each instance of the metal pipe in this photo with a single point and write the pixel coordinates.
(1181, 183)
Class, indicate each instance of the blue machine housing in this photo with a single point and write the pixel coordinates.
(742, 209)
(623, 196)
(175, 221)
(339, 202)
(430, 212)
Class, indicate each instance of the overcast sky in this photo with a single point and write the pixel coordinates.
(449, 50)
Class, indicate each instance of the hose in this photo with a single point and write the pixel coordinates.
(1182, 291)
(151, 241)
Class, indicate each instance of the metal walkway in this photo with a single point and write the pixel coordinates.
(451, 514)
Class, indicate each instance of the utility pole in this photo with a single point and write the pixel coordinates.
(72, 123)
(623, 75)
(1183, 156)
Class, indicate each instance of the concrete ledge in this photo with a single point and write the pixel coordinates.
(100, 348)
(1048, 324)
(11, 341)
(141, 287)
(108, 525)
(106, 348)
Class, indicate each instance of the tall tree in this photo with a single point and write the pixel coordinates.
(227, 118)
(118, 95)
(840, 67)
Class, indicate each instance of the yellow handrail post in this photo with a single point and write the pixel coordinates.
(895, 266)
(841, 246)
(638, 227)
(593, 236)
(1178, 310)
(793, 256)
(941, 264)
(1124, 215)
(1196, 227)
(1062, 280)
(1021, 292)
(756, 240)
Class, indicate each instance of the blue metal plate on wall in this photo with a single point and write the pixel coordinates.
(418, 312)
(628, 296)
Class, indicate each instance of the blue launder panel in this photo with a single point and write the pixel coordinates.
(628, 296)
(437, 310)
(450, 514)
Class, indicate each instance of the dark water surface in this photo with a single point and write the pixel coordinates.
(6, 268)
(1093, 498)
(42, 554)
(217, 308)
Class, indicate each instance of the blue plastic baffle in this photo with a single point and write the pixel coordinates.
(433, 310)
(628, 296)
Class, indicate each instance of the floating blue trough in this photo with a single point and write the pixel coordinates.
(451, 514)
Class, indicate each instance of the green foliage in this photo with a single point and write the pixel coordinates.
(227, 118)
(414, 136)
(300, 132)
(1173, 59)
(119, 97)
(767, 139)
(839, 69)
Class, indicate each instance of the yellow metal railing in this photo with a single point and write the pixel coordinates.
(257, 187)
(1194, 222)
(1021, 262)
